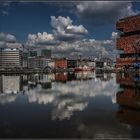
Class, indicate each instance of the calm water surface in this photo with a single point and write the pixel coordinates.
(66, 105)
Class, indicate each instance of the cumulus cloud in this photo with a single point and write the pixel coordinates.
(104, 11)
(9, 40)
(114, 35)
(5, 3)
(41, 39)
(2, 44)
(67, 40)
(4, 8)
(85, 47)
(7, 37)
(65, 30)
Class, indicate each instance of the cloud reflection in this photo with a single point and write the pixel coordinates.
(66, 98)
(70, 97)
(7, 98)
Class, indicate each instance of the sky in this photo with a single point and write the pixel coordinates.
(67, 28)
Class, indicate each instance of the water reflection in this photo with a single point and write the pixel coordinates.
(66, 98)
(61, 105)
(128, 99)
(10, 84)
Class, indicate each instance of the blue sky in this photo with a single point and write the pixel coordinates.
(98, 20)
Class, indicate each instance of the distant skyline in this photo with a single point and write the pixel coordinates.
(67, 28)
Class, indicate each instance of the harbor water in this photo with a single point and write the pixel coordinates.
(70, 105)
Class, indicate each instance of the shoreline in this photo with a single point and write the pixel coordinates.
(39, 71)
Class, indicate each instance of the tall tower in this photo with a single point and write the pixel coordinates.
(129, 31)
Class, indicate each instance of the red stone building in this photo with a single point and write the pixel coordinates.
(61, 63)
(129, 30)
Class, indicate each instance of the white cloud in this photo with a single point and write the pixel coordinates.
(2, 44)
(8, 40)
(114, 35)
(7, 37)
(104, 11)
(65, 30)
(41, 39)
(76, 29)
(85, 47)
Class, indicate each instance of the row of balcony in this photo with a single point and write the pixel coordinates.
(127, 43)
(129, 24)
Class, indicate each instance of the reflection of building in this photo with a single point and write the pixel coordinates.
(129, 33)
(99, 64)
(42, 78)
(103, 76)
(10, 57)
(46, 85)
(85, 75)
(61, 77)
(10, 84)
(129, 99)
(71, 76)
(129, 96)
(129, 116)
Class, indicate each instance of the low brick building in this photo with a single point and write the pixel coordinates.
(61, 63)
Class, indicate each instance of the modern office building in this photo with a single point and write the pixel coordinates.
(32, 53)
(72, 63)
(10, 57)
(47, 53)
(38, 62)
(128, 41)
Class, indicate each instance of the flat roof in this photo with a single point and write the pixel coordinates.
(125, 18)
